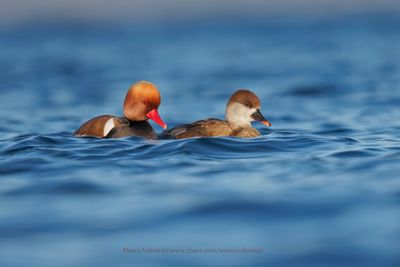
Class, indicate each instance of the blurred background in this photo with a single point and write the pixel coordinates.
(157, 11)
(319, 188)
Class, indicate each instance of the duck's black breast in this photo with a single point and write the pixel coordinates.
(133, 128)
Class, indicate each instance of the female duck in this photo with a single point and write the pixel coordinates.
(243, 107)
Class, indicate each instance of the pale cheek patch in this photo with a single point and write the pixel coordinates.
(108, 126)
(239, 114)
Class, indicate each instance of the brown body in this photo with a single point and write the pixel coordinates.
(141, 103)
(96, 127)
(209, 127)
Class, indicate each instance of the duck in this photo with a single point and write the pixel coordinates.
(141, 104)
(243, 107)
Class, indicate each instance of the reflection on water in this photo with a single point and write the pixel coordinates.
(320, 187)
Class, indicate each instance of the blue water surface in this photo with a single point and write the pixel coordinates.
(320, 187)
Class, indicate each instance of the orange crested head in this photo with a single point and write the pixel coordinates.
(142, 101)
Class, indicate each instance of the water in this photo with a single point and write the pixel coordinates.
(320, 188)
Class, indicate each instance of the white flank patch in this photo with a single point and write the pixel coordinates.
(108, 126)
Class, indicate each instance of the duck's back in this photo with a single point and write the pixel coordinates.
(99, 126)
(202, 128)
(108, 126)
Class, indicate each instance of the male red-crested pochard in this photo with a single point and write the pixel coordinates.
(141, 103)
(243, 107)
